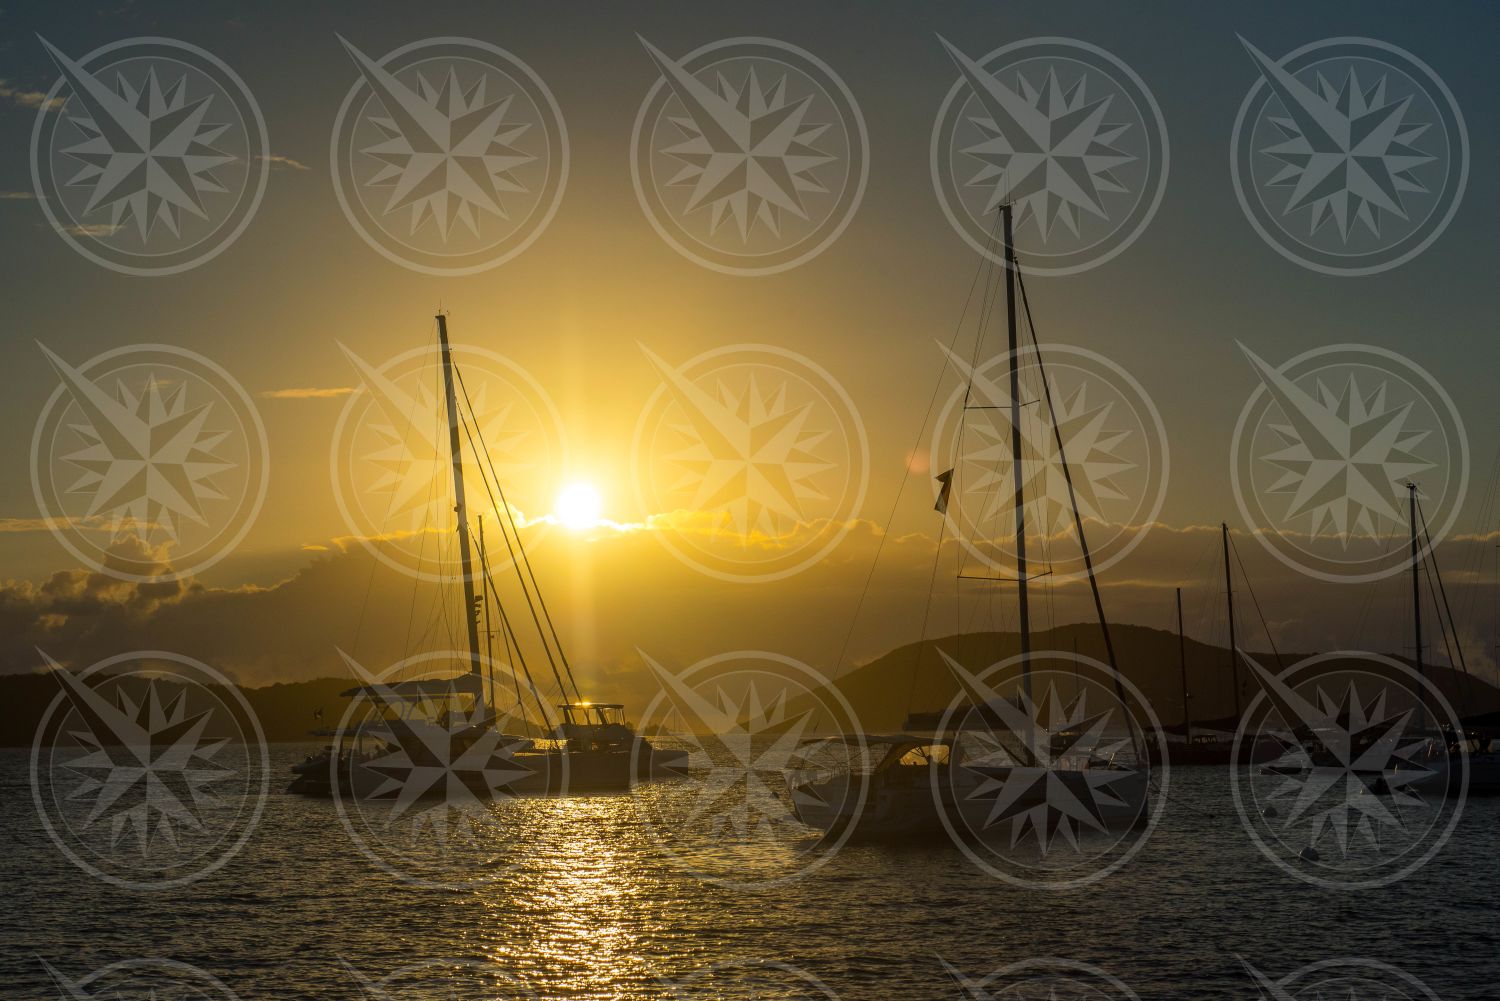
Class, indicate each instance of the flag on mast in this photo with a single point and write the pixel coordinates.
(946, 479)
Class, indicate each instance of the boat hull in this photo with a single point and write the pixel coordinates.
(939, 802)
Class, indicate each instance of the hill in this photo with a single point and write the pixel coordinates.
(914, 678)
(883, 692)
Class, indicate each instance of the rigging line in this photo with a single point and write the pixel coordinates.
(1255, 602)
(905, 478)
(511, 642)
(525, 559)
(370, 580)
(1437, 608)
(988, 295)
(916, 668)
(411, 608)
(991, 500)
(1435, 571)
(510, 550)
(1476, 563)
(1083, 542)
(505, 534)
(1373, 591)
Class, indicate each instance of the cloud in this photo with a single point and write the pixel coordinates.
(91, 523)
(93, 229)
(17, 196)
(276, 160)
(613, 592)
(306, 393)
(28, 98)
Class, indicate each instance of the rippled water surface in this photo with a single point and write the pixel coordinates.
(577, 899)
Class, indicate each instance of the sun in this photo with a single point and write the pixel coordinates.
(578, 506)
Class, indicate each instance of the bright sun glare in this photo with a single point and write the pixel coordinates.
(578, 506)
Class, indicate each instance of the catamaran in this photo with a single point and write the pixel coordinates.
(895, 785)
(453, 722)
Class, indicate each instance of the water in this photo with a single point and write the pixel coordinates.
(586, 905)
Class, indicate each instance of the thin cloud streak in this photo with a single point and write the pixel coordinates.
(307, 393)
(28, 98)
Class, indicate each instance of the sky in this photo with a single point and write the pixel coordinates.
(605, 330)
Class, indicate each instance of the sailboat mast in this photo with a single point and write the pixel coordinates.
(1187, 709)
(1023, 607)
(489, 634)
(460, 506)
(1416, 606)
(1234, 650)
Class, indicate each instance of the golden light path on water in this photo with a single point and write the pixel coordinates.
(590, 898)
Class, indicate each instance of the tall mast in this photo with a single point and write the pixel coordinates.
(1416, 605)
(1187, 709)
(460, 506)
(489, 634)
(1234, 650)
(1024, 612)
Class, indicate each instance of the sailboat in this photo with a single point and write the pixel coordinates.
(920, 783)
(1213, 744)
(1467, 756)
(451, 723)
